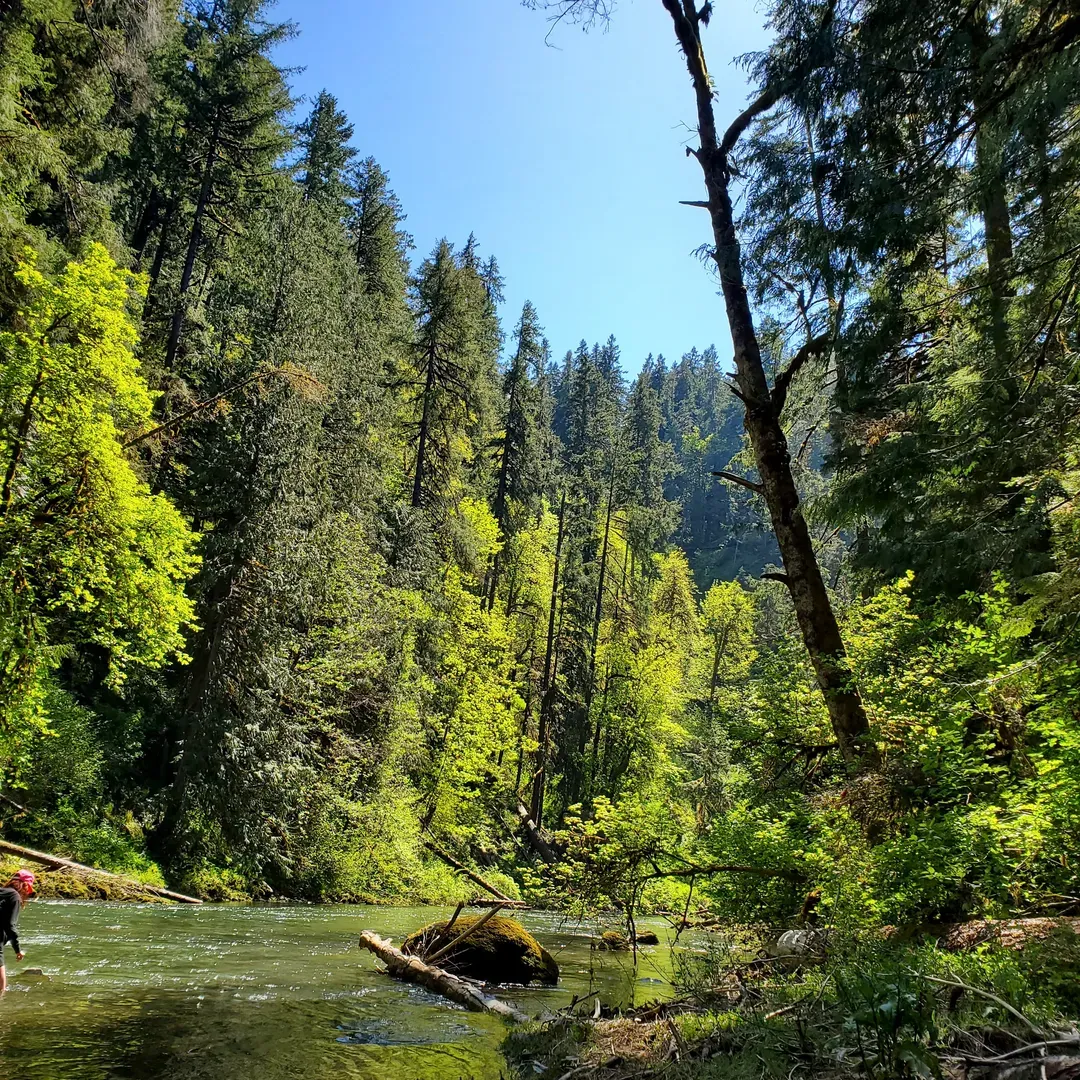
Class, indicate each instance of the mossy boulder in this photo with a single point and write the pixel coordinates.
(500, 951)
(646, 937)
(612, 941)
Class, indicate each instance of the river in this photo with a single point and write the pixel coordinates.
(266, 992)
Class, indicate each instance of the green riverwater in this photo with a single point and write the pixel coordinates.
(265, 992)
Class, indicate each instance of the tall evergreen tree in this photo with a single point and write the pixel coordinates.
(325, 153)
(452, 371)
(520, 444)
(231, 103)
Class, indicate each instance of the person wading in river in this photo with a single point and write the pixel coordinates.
(13, 897)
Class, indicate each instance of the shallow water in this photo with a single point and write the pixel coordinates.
(265, 992)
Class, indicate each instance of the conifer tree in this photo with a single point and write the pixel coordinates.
(520, 442)
(452, 370)
(374, 225)
(325, 153)
(232, 100)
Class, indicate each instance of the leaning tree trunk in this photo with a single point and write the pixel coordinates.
(816, 618)
(547, 685)
(206, 192)
(422, 438)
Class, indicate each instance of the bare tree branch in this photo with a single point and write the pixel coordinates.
(814, 347)
(757, 489)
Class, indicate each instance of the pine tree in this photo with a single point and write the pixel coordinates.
(452, 370)
(325, 153)
(231, 102)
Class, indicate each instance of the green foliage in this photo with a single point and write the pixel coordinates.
(610, 859)
(91, 557)
(443, 583)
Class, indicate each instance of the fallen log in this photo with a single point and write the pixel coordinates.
(1012, 934)
(499, 950)
(475, 878)
(55, 862)
(533, 834)
(411, 969)
(434, 958)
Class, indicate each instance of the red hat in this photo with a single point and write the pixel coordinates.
(27, 878)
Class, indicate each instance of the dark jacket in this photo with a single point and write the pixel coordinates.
(10, 906)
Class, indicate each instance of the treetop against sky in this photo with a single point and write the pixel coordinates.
(565, 158)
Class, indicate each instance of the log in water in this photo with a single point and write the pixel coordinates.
(411, 969)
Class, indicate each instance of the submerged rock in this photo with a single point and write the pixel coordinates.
(500, 951)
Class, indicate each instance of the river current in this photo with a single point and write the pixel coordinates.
(266, 992)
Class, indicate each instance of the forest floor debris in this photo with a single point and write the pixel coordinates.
(1003, 1010)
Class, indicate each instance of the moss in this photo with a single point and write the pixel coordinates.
(501, 951)
(612, 941)
(73, 885)
(80, 885)
(216, 883)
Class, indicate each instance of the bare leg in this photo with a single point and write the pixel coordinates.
(3, 979)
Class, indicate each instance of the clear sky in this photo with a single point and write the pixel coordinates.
(567, 162)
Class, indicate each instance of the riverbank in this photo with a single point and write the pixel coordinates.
(1006, 1008)
(67, 884)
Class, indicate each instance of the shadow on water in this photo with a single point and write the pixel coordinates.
(170, 1036)
(262, 992)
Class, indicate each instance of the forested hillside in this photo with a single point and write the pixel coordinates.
(311, 555)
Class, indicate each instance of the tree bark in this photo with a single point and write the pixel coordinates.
(206, 191)
(594, 641)
(461, 868)
(7, 492)
(410, 969)
(817, 620)
(491, 585)
(547, 688)
(148, 221)
(993, 200)
(721, 648)
(533, 834)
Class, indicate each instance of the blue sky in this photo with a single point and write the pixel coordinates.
(566, 162)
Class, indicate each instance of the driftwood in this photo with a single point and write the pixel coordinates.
(54, 862)
(474, 877)
(533, 835)
(411, 969)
